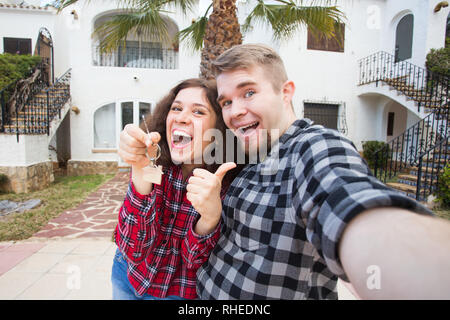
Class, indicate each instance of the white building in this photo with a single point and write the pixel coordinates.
(108, 91)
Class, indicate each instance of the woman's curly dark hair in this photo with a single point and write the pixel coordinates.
(157, 122)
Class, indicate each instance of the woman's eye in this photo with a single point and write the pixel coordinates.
(175, 108)
(249, 93)
(198, 111)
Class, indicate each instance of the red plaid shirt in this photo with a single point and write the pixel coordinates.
(155, 235)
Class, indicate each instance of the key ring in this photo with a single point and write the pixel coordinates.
(158, 154)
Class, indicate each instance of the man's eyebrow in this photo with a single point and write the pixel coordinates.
(239, 86)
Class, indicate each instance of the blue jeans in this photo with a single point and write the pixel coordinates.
(121, 286)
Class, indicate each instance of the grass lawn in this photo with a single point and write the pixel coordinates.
(442, 212)
(64, 193)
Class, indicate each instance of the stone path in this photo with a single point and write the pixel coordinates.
(94, 217)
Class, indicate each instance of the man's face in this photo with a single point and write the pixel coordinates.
(251, 108)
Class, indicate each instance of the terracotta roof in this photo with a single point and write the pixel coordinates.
(25, 6)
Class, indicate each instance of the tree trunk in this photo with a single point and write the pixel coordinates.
(222, 32)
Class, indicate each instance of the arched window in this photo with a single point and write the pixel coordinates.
(140, 49)
(105, 126)
(404, 38)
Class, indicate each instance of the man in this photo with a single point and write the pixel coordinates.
(291, 229)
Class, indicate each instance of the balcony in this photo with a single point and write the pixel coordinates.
(137, 56)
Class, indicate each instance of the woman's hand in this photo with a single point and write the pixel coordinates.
(203, 191)
(133, 145)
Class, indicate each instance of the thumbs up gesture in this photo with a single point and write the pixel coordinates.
(203, 191)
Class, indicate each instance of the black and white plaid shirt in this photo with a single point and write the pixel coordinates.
(283, 219)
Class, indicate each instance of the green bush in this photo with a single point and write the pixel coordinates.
(443, 188)
(438, 60)
(14, 67)
(369, 149)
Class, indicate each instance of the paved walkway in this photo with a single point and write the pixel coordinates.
(95, 217)
(71, 257)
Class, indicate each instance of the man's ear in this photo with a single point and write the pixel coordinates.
(288, 91)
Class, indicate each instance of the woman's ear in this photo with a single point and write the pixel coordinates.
(288, 91)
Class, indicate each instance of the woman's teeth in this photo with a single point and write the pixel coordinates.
(180, 137)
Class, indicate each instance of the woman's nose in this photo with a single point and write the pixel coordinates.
(183, 116)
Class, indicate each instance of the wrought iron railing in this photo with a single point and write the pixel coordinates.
(428, 90)
(135, 57)
(16, 95)
(39, 109)
(429, 169)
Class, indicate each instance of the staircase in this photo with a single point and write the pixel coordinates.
(35, 115)
(412, 162)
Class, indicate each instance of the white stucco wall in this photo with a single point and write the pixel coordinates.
(31, 149)
(318, 75)
(24, 23)
(95, 86)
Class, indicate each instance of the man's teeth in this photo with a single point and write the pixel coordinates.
(243, 129)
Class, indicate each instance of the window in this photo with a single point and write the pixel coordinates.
(323, 114)
(105, 126)
(127, 113)
(390, 124)
(318, 41)
(17, 45)
(404, 38)
(139, 54)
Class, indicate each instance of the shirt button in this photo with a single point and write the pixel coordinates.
(172, 216)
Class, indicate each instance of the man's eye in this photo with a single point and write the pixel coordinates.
(249, 93)
(226, 103)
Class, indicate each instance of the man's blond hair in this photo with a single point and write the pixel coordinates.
(246, 56)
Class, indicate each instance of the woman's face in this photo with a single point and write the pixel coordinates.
(190, 116)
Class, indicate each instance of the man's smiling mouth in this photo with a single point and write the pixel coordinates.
(248, 129)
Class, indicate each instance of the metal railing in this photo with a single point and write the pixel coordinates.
(429, 170)
(428, 90)
(39, 110)
(135, 57)
(11, 107)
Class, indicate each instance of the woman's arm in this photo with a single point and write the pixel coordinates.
(136, 230)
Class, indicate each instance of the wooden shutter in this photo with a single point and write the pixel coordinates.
(17, 45)
(318, 41)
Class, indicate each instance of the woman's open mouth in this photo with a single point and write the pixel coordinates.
(180, 139)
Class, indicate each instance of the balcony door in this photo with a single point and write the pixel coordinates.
(131, 111)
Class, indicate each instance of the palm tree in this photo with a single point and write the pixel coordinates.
(218, 31)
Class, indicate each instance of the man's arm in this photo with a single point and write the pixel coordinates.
(392, 253)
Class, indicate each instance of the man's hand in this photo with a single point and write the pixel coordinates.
(203, 191)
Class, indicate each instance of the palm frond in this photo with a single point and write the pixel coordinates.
(286, 18)
(61, 4)
(114, 32)
(194, 34)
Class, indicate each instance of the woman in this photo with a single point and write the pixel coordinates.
(167, 230)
